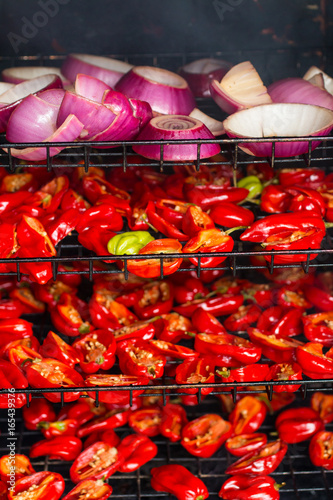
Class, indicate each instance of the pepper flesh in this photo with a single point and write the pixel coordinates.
(203, 436)
(178, 481)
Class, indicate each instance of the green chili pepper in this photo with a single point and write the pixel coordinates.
(253, 184)
(129, 243)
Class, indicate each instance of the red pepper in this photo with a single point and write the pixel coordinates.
(173, 420)
(137, 450)
(285, 371)
(162, 225)
(203, 436)
(172, 211)
(231, 215)
(96, 240)
(195, 220)
(39, 410)
(151, 268)
(250, 488)
(209, 241)
(58, 448)
(43, 485)
(146, 421)
(248, 373)
(14, 329)
(51, 373)
(262, 461)
(274, 199)
(321, 450)
(53, 192)
(66, 427)
(247, 415)
(241, 444)
(138, 357)
(199, 370)
(209, 195)
(11, 308)
(270, 317)
(109, 420)
(319, 328)
(72, 199)
(261, 294)
(287, 297)
(313, 362)
(62, 225)
(99, 191)
(321, 299)
(301, 176)
(298, 424)
(206, 322)
(144, 330)
(306, 198)
(98, 461)
(289, 324)
(280, 350)
(102, 216)
(10, 201)
(18, 465)
(54, 347)
(244, 317)
(156, 299)
(191, 289)
(241, 350)
(220, 305)
(107, 313)
(114, 396)
(29, 302)
(178, 481)
(32, 236)
(172, 327)
(94, 489)
(96, 350)
(67, 317)
(173, 350)
(323, 404)
(51, 292)
(11, 378)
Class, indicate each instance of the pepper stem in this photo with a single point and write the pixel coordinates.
(232, 229)
(190, 334)
(277, 486)
(328, 225)
(223, 373)
(200, 497)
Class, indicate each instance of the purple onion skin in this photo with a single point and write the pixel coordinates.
(297, 90)
(199, 82)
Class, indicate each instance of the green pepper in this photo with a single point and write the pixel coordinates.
(253, 184)
(129, 243)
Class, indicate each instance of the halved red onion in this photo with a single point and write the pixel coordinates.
(142, 110)
(175, 127)
(90, 87)
(298, 90)
(328, 81)
(10, 99)
(20, 74)
(200, 73)
(240, 88)
(166, 92)
(53, 96)
(213, 125)
(279, 120)
(104, 68)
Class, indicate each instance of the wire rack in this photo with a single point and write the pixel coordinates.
(302, 480)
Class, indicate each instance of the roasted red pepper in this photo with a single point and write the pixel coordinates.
(220, 305)
(101, 216)
(298, 424)
(109, 420)
(239, 349)
(22, 356)
(54, 347)
(243, 318)
(301, 176)
(241, 444)
(204, 321)
(191, 289)
(195, 220)
(154, 298)
(107, 313)
(14, 329)
(285, 371)
(208, 195)
(162, 225)
(319, 328)
(20, 463)
(13, 379)
(203, 436)
(248, 373)
(39, 486)
(144, 330)
(66, 427)
(173, 350)
(248, 415)
(137, 450)
(39, 410)
(100, 460)
(262, 461)
(172, 210)
(306, 198)
(138, 357)
(146, 421)
(99, 191)
(321, 299)
(280, 350)
(172, 327)
(289, 324)
(209, 241)
(114, 396)
(51, 292)
(321, 450)
(323, 404)
(250, 488)
(274, 199)
(231, 215)
(67, 317)
(173, 420)
(199, 370)
(96, 350)
(93, 489)
(287, 297)
(313, 362)
(58, 448)
(178, 481)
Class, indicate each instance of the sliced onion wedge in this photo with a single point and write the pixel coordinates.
(328, 81)
(279, 120)
(104, 68)
(298, 90)
(200, 73)
(10, 99)
(213, 125)
(90, 87)
(240, 88)
(166, 92)
(20, 74)
(170, 128)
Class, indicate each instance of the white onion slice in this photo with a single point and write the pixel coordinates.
(201, 72)
(240, 88)
(328, 81)
(20, 74)
(170, 128)
(104, 68)
(213, 125)
(298, 90)
(14, 96)
(166, 92)
(279, 120)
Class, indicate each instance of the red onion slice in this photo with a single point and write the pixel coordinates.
(213, 125)
(240, 88)
(53, 96)
(200, 73)
(328, 81)
(141, 110)
(279, 120)
(14, 96)
(166, 92)
(20, 74)
(4, 86)
(90, 87)
(170, 128)
(104, 68)
(298, 90)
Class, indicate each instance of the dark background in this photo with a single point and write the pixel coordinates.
(281, 37)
